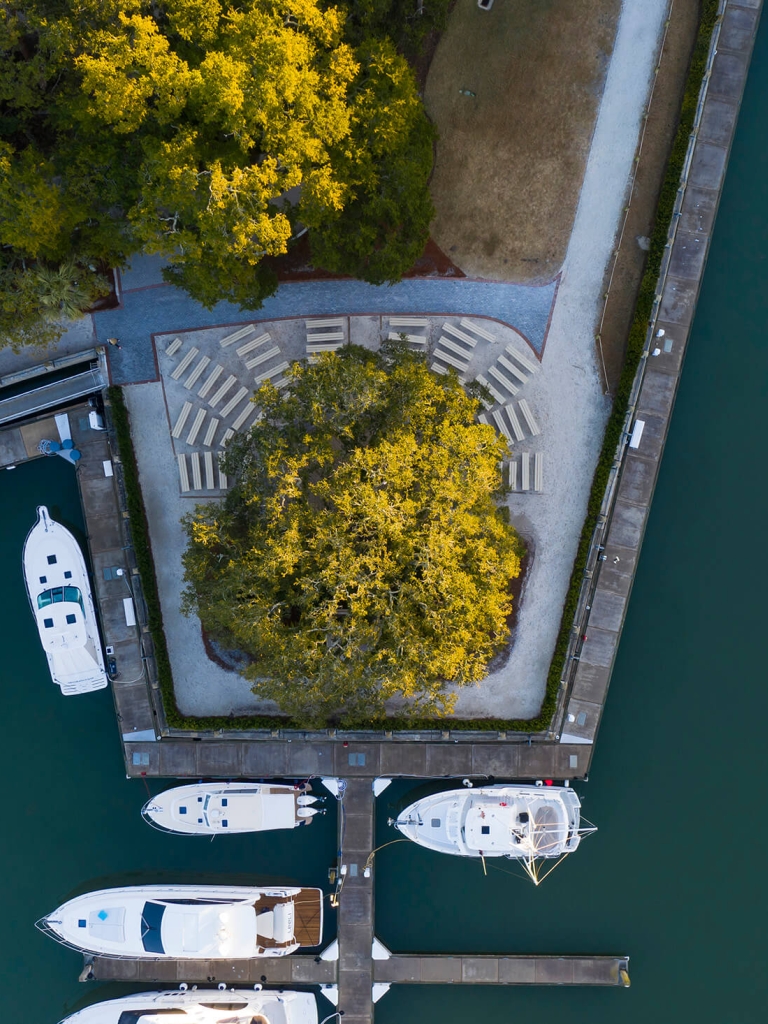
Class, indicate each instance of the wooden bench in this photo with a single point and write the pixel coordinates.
(538, 472)
(448, 358)
(208, 462)
(453, 347)
(501, 399)
(221, 391)
(501, 424)
(210, 433)
(437, 368)
(222, 480)
(413, 339)
(181, 420)
(505, 382)
(197, 481)
(529, 364)
(268, 374)
(479, 331)
(270, 353)
(514, 421)
(194, 430)
(529, 418)
(512, 480)
(214, 376)
(173, 347)
(329, 346)
(252, 344)
(313, 339)
(196, 374)
(332, 322)
(408, 321)
(461, 335)
(183, 475)
(232, 402)
(228, 435)
(525, 472)
(514, 370)
(185, 363)
(242, 416)
(232, 338)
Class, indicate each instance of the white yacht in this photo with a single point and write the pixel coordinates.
(202, 1006)
(180, 922)
(217, 808)
(527, 823)
(60, 595)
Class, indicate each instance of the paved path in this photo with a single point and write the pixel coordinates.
(150, 307)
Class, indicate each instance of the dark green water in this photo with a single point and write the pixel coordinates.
(675, 877)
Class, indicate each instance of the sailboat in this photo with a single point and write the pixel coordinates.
(531, 824)
(202, 1006)
(59, 593)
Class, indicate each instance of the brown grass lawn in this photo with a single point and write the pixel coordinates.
(510, 162)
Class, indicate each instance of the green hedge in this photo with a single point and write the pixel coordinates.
(611, 440)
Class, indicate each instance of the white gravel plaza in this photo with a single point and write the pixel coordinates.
(566, 401)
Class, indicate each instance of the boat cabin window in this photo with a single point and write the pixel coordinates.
(71, 595)
(225, 1006)
(134, 1016)
(151, 919)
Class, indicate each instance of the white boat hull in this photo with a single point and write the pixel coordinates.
(60, 596)
(178, 922)
(520, 822)
(222, 808)
(202, 1006)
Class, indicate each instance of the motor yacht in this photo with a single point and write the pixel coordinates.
(178, 922)
(60, 595)
(527, 823)
(202, 1006)
(218, 808)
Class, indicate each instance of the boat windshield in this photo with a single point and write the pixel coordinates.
(151, 919)
(134, 1016)
(56, 595)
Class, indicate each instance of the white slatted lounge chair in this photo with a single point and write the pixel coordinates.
(237, 398)
(408, 321)
(513, 475)
(418, 340)
(232, 338)
(221, 391)
(505, 382)
(268, 374)
(255, 343)
(481, 332)
(538, 472)
(210, 433)
(517, 430)
(208, 463)
(452, 360)
(183, 475)
(173, 347)
(197, 481)
(194, 430)
(181, 420)
(222, 481)
(530, 365)
(529, 418)
(242, 416)
(514, 370)
(501, 399)
(185, 363)
(501, 424)
(263, 357)
(337, 321)
(446, 343)
(196, 374)
(313, 339)
(455, 332)
(214, 376)
(525, 471)
(437, 368)
(330, 346)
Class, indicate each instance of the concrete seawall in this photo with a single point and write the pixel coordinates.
(617, 541)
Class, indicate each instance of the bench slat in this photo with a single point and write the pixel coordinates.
(264, 357)
(538, 472)
(525, 467)
(193, 378)
(457, 333)
(220, 392)
(235, 400)
(251, 345)
(173, 347)
(210, 433)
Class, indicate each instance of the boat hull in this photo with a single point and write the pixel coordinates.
(222, 808)
(518, 822)
(203, 1006)
(60, 597)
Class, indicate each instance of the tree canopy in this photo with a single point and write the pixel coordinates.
(209, 132)
(361, 554)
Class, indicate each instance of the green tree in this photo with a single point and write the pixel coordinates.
(361, 555)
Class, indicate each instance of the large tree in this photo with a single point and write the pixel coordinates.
(204, 130)
(361, 554)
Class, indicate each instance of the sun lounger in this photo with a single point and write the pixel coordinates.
(210, 433)
(313, 339)
(446, 343)
(512, 475)
(217, 396)
(181, 420)
(452, 360)
(500, 422)
(455, 332)
(268, 374)
(197, 480)
(408, 321)
(316, 324)
(208, 463)
(413, 339)
(242, 416)
(234, 401)
(264, 357)
(501, 399)
(228, 435)
(232, 338)
(514, 370)
(525, 471)
(253, 344)
(511, 415)
(538, 472)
